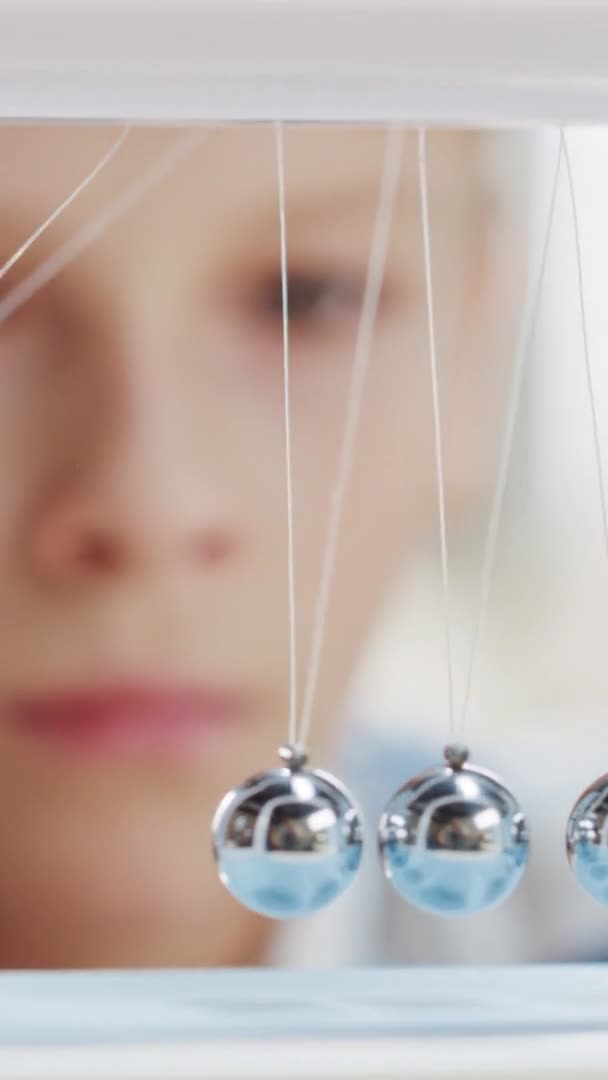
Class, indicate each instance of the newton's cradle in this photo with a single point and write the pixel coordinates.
(288, 841)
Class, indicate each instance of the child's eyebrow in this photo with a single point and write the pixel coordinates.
(334, 200)
(17, 225)
(15, 229)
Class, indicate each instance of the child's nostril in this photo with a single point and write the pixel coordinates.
(99, 552)
(214, 546)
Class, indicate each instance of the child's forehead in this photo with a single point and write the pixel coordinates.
(42, 161)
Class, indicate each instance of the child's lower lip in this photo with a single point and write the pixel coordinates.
(129, 720)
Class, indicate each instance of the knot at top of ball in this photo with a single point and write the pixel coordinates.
(456, 755)
(294, 756)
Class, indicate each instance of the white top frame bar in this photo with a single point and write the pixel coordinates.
(437, 62)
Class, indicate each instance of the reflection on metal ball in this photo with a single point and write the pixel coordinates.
(287, 841)
(453, 840)
(587, 840)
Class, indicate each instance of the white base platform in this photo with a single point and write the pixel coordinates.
(439, 1023)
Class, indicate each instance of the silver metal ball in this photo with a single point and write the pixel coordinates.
(453, 840)
(587, 840)
(287, 841)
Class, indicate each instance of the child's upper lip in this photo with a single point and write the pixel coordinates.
(138, 689)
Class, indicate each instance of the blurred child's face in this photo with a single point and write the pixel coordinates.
(143, 574)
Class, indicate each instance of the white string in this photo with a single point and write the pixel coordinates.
(526, 337)
(88, 179)
(426, 240)
(293, 721)
(363, 347)
(100, 223)
(590, 386)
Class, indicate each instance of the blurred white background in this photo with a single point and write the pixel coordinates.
(542, 666)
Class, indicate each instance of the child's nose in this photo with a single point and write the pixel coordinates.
(88, 535)
(138, 504)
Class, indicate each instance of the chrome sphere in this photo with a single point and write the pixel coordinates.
(453, 840)
(287, 841)
(587, 840)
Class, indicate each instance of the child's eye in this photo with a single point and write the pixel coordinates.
(312, 300)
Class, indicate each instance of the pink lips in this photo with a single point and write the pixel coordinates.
(129, 720)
